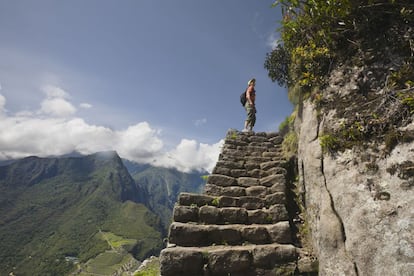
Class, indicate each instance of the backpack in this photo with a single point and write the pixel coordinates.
(243, 99)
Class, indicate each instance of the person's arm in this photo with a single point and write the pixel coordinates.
(248, 95)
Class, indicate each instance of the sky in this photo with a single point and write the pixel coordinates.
(156, 80)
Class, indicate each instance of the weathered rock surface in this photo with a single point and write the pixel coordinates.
(359, 202)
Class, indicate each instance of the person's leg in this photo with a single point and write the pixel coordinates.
(251, 114)
(246, 124)
(253, 119)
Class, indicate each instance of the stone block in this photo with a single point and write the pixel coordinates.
(209, 215)
(194, 199)
(280, 232)
(247, 181)
(221, 170)
(254, 154)
(234, 215)
(271, 154)
(278, 188)
(267, 256)
(256, 149)
(185, 234)
(259, 191)
(269, 165)
(213, 190)
(277, 140)
(278, 212)
(185, 213)
(228, 201)
(258, 217)
(225, 262)
(277, 170)
(258, 139)
(230, 164)
(258, 159)
(181, 261)
(232, 141)
(264, 256)
(251, 202)
(257, 173)
(224, 235)
(252, 165)
(238, 173)
(221, 180)
(233, 191)
(270, 180)
(255, 234)
(275, 198)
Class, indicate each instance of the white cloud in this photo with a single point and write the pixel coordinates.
(85, 105)
(55, 92)
(49, 132)
(190, 155)
(56, 103)
(139, 143)
(57, 107)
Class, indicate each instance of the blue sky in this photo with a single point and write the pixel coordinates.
(157, 81)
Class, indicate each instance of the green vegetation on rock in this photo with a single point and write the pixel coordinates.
(151, 267)
(317, 35)
(354, 58)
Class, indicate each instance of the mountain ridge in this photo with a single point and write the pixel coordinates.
(52, 208)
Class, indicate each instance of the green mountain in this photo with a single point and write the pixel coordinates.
(57, 211)
(163, 185)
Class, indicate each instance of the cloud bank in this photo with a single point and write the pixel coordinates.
(54, 129)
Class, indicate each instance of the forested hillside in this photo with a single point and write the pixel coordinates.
(55, 208)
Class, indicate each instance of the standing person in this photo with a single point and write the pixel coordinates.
(250, 106)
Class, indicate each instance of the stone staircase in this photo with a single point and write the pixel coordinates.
(240, 225)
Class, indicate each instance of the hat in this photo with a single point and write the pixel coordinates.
(251, 81)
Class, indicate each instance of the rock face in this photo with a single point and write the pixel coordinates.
(240, 225)
(359, 202)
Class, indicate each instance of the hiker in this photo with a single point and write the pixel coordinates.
(250, 106)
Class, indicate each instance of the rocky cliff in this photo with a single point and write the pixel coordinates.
(356, 169)
(348, 68)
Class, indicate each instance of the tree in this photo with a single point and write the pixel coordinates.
(277, 64)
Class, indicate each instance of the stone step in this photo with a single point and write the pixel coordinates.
(221, 180)
(240, 172)
(229, 215)
(247, 260)
(250, 164)
(188, 234)
(239, 226)
(238, 151)
(230, 164)
(243, 172)
(239, 191)
(250, 149)
(252, 158)
(247, 202)
(234, 191)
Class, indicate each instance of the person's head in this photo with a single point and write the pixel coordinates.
(251, 82)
